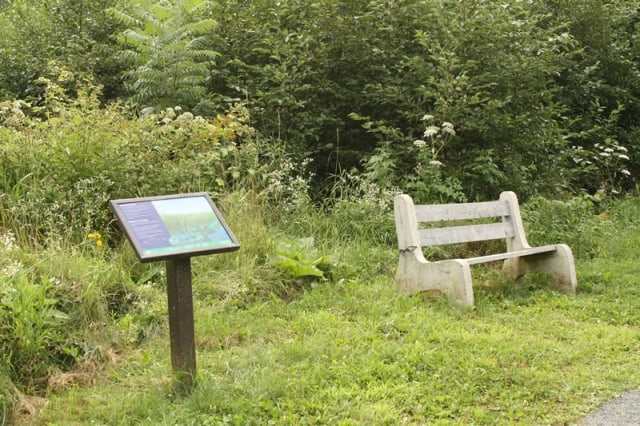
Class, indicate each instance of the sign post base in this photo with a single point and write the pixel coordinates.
(181, 328)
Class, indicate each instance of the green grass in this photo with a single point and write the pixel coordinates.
(350, 350)
(357, 352)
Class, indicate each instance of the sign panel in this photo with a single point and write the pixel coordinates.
(171, 226)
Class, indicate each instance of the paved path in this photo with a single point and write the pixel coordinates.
(621, 411)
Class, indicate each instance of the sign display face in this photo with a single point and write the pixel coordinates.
(173, 226)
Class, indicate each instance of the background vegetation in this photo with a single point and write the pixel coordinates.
(532, 89)
(303, 119)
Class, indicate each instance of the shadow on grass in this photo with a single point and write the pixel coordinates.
(493, 286)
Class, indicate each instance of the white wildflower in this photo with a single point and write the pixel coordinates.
(427, 117)
(11, 269)
(623, 156)
(431, 131)
(419, 143)
(625, 172)
(436, 163)
(8, 241)
(185, 116)
(448, 128)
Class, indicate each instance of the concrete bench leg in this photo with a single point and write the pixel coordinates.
(559, 264)
(451, 277)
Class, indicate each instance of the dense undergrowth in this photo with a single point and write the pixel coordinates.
(534, 90)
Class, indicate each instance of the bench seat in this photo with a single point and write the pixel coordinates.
(508, 255)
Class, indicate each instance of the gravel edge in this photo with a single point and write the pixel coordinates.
(623, 410)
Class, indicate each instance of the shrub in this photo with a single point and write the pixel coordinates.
(575, 221)
(62, 171)
(35, 334)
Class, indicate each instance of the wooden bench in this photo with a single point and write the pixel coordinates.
(453, 276)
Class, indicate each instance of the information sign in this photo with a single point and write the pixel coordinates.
(173, 226)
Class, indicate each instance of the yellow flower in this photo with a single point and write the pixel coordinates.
(99, 243)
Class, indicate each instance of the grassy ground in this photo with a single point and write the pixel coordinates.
(359, 353)
(352, 351)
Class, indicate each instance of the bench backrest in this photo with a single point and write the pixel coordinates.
(508, 224)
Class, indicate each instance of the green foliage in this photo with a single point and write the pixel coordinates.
(519, 81)
(34, 330)
(299, 258)
(599, 86)
(166, 47)
(429, 184)
(603, 161)
(76, 34)
(486, 93)
(533, 89)
(481, 67)
(58, 308)
(273, 57)
(359, 210)
(547, 80)
(576, 222)
(8, 400)
(61, 172)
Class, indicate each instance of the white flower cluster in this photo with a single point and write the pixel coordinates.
(9, 266)
(431, 131)
(448, 128)
(169, 115)
(445, 130)
(8, 242)
(11, 112)
(290, 187)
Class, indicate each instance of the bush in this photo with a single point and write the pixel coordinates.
(61, 172)
(576, 222)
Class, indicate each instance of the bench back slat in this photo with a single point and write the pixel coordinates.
(451, 212)
(459, 223)
(466, 233)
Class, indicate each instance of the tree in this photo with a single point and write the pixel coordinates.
(75, 34)
(167, 52)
